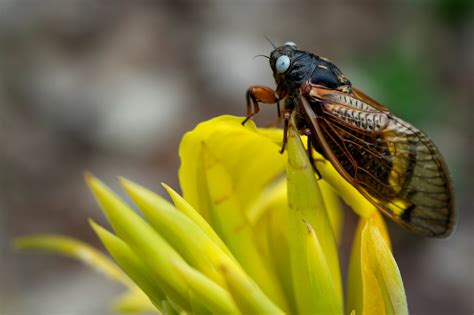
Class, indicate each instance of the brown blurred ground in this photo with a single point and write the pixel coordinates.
(111, 86)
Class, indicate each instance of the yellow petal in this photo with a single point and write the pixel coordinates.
(75, 249)
(181, 232)
(214, 297)
(329, 300)
(248, 297)
(130, 263)
(377, 261)
(191, 213)
(354, 275)
(251, 160)
(274, 195)
(334, 208)
(374, 282)
(146, 243)
(196, 247)
(226, 214)
(269, 221)
(306, 205)
(134, 302)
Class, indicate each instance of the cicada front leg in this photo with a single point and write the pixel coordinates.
(259, 94)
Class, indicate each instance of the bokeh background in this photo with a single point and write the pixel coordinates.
(111, 86)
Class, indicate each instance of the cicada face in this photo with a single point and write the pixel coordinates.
(392, 163)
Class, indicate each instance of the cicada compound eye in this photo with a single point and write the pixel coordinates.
(282, 64)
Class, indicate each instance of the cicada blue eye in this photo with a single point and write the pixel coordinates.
(282, 64)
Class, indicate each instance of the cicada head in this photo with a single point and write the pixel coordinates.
(292, 68)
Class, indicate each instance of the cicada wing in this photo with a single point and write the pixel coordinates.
(393, 164)
(367, 99)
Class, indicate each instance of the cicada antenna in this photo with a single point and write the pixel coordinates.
(270, 41)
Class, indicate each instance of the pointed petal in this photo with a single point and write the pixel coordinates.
(214, 297)
(191, 213)
(378, 264)
(134, 302)
(185, 236)
(147, 244)
(328, 299)
(229, 220)
(73, 248)
(334, 207)
(374, 282)
(306, 205)
(130, 263)
(248, 297)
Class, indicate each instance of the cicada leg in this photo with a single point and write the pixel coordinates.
(286, 121)
(309, 147)
(259, 94)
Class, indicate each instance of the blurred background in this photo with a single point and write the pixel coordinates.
(111, 86)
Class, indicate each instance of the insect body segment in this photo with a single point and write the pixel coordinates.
(393, 164)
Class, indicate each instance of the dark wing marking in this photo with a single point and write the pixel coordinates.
(393, 164)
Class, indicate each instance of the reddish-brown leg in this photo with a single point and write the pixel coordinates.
(258, 94)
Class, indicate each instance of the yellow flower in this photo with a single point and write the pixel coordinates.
(254, 233)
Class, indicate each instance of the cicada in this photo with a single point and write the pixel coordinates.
(390, 162)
